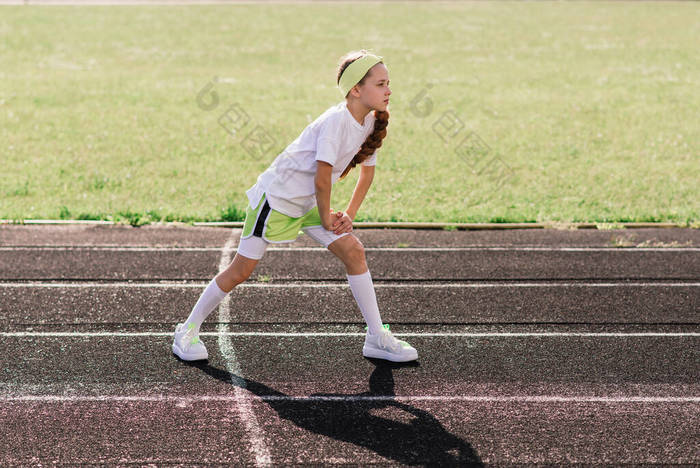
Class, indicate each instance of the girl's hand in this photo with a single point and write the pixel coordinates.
(341, 222)
(329, 221)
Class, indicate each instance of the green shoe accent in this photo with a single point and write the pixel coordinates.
(194, 340)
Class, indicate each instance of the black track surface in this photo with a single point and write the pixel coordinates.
(555, 356)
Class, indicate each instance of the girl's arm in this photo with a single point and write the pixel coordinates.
(323, 192)
(358, 195)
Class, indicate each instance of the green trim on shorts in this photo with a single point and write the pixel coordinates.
(279, 227)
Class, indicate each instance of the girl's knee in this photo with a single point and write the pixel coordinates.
(348, 248)
(355, 250)
(241, 268)
(237, 278)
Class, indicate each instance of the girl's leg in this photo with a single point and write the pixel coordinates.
(378, 343)
(350, 250)
(237, 272)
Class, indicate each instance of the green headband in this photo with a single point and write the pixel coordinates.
(355, 71)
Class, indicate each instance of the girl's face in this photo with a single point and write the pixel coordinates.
(375, 91)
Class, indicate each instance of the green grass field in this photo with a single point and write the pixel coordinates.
(587, 111)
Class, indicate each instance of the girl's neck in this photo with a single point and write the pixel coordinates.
(358, 110)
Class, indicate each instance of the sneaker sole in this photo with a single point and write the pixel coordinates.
(187, 357)
(379, 354)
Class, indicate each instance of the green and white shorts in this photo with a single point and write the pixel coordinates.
(264, 226)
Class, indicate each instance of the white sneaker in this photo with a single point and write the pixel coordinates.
(187, 345)
(386, 346)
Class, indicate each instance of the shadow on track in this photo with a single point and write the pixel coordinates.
(423, 440)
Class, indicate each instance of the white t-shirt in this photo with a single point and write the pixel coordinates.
(289, 182)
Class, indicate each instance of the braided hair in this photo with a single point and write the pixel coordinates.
(374, 139)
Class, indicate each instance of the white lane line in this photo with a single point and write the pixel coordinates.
(387, 249)
(244, 406)
(354, 398)
(223, 333)
(345, 285)
(79, 248)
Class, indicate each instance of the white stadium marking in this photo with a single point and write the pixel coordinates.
(354, 398)
(244, 406)
(225, 333)
(388, 249)
(344, 284)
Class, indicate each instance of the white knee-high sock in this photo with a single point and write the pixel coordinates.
(209, 299)
(363, 290)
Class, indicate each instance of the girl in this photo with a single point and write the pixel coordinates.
(294, 193)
